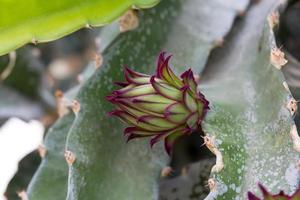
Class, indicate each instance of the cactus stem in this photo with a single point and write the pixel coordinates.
(210, 144)
(75, 106)
(292, 106)
(211, 183)
(42, 150)
(286, 87)
(70, 157)
(23, 195)
(62, 103)
(295, 138)
(129, 21)
(273, 19)
(277, 58)
(166, 171)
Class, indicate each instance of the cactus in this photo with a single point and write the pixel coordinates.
(41, 22)
(247, 127)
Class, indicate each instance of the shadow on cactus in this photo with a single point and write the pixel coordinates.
(268, 196)
(162, 106)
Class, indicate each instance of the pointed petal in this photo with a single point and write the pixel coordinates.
(138, 80)
(176, 113)
(161, 122)
(122, 84)
(189, 101)
(266, 194)
(252, 196)
(188, 79)
(138, 131)
(133, 74)
(131, 120)
(192, 121)
(157, 138)
(166, 90)
(164, 72)
(132, 136)
(152, 102)
(135, 91)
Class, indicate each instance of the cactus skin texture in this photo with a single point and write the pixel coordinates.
(161, 106)
(248, 116)
(269, 196)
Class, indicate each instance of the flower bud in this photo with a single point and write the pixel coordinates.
(162, 106)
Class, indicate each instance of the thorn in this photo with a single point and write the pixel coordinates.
(295, 138)
(88, 26)
(210, 144)
(70, 157)
(34, 41)
(129, 21)
(292, 106)
(211, 183)
(42, 150)
(75, 106)
(184, 171)
(166, 171)
(23, 195)
(98, 58)
(273, 19)
(241, 13)
(219, 42)
(286, 87)
(61, 103)
(277, 58)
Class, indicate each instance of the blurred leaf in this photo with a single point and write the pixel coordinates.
(31, 21)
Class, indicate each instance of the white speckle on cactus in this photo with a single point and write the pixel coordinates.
(292, 176)
(295, 138)
(129, 21)
(70, 157)
(292, 106)
(277, 58)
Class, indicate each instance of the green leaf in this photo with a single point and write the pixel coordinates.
(51, 178)
(35, 21)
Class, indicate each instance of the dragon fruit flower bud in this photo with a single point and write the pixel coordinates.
(162, 106)
(269, 196)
